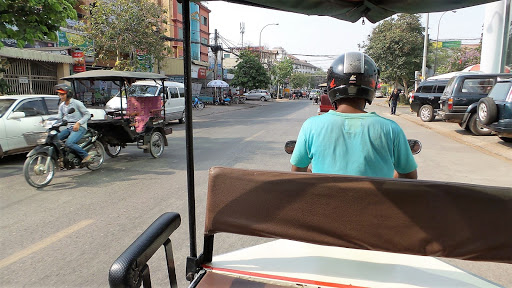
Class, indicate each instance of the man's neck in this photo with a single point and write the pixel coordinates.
(352, 107)
(67, 101)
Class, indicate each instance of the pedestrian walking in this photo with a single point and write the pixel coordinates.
(393, 98)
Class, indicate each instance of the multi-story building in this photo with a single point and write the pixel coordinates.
(173, 65)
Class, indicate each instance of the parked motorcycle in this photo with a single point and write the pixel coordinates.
(39, 168)
(198, 104)
(225, 101)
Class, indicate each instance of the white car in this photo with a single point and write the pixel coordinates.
(174, 104)
(20, 114)
(258, 94)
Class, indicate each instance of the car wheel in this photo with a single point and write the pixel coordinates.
(487, 111)
(476, 128)
(263, 98)
(182, 119)
(506, 139)
(426, 113)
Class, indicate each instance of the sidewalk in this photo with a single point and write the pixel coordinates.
(490, 145)
(211, 109)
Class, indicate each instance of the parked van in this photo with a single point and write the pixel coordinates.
(174, 99)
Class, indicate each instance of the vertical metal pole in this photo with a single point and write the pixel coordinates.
(506, 33)
(188, 128)
(425, 50)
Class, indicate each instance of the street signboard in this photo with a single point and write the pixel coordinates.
(451, 44)
(447, 44)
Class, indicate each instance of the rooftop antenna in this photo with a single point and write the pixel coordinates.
(242, 31)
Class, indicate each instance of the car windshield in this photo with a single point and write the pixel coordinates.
(142, 90)
(4, 105)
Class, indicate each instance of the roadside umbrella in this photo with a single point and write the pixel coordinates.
(217, 83)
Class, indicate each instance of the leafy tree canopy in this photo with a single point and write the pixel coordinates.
(123, 29)
(455, 59)
(27, 21)
(396, 45)
(299, 80)
(249, 72)
(317, 78)
(282, 71)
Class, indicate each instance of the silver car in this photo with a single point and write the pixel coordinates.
(258, 94)
(20, 116)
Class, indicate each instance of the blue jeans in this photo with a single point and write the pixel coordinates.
(73, 137)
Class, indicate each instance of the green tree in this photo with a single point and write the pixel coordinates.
(299, 80)
(317, 78)
(122, 30)
(27, 21)
(396, 45)
(281, 72)
(249, 72)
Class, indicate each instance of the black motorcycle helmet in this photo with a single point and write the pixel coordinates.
(352, 75)
(64, 88)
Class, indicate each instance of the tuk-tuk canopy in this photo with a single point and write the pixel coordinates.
(112, 75)
(353, 10)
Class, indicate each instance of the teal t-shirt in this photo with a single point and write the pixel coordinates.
(363, 144)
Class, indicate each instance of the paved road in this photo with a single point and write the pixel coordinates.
(68, 234)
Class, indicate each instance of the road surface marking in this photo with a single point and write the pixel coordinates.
(43, 243)
(253, 136)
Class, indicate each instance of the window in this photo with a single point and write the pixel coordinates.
(440, 88)
(500, 91)
(227, 55)
(180, 33)
(52, 105)
(31, 108)
(427, 89)
(180, 8)
(173, 91)
(478, 86)
(204, 40)
(204, 20)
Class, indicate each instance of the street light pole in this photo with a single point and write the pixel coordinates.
(260, 36)
(437, 40)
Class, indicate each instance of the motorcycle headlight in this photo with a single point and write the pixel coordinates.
(53, 132)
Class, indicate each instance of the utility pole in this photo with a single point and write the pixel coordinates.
(216, 55)
(242, 31)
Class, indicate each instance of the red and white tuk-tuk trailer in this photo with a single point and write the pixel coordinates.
(331, 230)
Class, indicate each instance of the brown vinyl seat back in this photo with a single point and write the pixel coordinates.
(418, 217)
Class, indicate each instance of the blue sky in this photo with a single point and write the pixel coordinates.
(314, 35)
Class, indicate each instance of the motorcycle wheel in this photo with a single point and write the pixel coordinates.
(156, 144)
(98, 157)
(200, 106)
(34, 170)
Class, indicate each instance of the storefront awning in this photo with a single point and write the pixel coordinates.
(10, 52)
